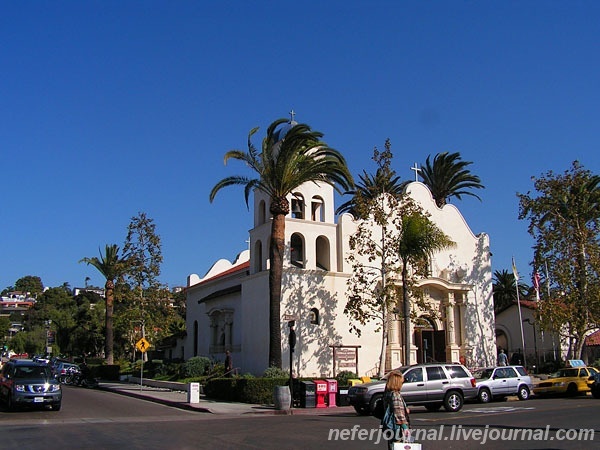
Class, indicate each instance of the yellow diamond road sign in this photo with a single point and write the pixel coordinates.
(142, 345)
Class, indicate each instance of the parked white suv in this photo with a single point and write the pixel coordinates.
(499, 382)
(429, 385)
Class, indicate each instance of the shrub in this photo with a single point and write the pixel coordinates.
(343, 377)
(276, 372)
(196, 366)
(245, 390)
(110, 373)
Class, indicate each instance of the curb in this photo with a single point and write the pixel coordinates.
(195, 407)
(186, 406)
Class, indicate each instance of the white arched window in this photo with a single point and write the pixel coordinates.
(258, 257)
(317, 209)
(323, 255)
(262, 212)
(297, 207)
(297, 250)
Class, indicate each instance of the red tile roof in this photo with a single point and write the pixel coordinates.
(593, 339)
(235, 269)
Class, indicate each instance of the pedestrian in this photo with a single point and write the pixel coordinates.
(502, 358)
(228, 364)
(394, 404)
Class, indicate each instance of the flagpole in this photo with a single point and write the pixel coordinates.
(551, 321)
(516, 275)
(536, 284)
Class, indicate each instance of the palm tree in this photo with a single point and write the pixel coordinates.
(448, 177)
(419, 238)
(111, 267)
(370, 186)
(289, 156)
(504, 290)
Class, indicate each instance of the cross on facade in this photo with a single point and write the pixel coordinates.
(417, 170)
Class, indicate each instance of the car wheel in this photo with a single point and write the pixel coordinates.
(484, 395)
(523, 393)
(376, 406)
(433, 407)
(453, 401)
(56, 406)
(361, 410)
(572, 390)
(596, 393)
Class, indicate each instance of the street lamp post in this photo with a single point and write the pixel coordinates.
(292, 343)
(537, 362)
(48, 322)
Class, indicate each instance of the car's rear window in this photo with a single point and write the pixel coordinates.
(435, 373)
(457, 372)
(521, 370)
(483, 374)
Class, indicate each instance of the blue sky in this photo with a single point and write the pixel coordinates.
(109, 108)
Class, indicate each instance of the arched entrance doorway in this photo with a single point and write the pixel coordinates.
(430, 342)
(501, 341)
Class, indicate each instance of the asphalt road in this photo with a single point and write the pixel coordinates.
(93, 419)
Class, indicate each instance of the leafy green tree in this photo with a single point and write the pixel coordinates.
(370, 187)
(147, 306)
(57, 305)
(31, 284)
(448, 177)
(111, 266)
(419, 239)
(563, 220)
(4, 326)
(374, 257)
(289, 156)
(87, 336)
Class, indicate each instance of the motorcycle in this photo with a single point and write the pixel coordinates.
(83, 378)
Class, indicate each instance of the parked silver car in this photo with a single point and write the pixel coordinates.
(499, 382)
(429, 385)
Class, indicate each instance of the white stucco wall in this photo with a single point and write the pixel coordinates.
(466, 268)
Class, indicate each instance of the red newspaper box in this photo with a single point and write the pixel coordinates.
(331, 391)
(321, 393)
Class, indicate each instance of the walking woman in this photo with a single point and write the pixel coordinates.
(393, 400)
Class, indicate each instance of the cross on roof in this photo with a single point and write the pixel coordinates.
(417, 170)
(292, 115)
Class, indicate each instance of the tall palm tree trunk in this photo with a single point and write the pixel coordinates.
(109, 338)
(276, 251)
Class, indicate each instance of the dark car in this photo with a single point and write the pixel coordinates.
(595, 386)
(24, 382)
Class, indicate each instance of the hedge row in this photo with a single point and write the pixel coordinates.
(245, 390)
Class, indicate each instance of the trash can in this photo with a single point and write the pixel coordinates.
(332, 387)
(342, 396)
(306, 393)
(354, 381)
(321, 393)
(282, 398)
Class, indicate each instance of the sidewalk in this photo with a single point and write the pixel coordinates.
(179, 399)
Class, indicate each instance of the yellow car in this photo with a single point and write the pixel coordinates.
(570, 381)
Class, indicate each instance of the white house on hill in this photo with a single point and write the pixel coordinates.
(228, 309)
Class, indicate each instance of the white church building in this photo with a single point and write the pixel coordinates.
(228, 309)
